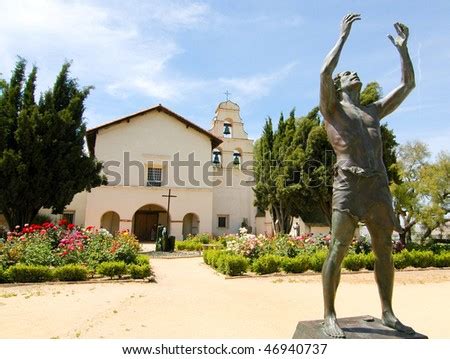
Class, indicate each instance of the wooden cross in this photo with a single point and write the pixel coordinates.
(169, 196)
(227, 94)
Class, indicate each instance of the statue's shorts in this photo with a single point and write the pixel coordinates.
(364, 195)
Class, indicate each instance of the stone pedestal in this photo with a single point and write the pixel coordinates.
(365, 327)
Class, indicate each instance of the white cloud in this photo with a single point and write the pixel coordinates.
(124, 49)
(257, 85)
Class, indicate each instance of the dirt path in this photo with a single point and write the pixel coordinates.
(191, 301)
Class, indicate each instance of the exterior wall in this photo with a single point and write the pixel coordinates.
(125, 201)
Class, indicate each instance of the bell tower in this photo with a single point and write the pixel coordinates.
(233, 164)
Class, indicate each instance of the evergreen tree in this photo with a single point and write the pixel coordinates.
(42, 158)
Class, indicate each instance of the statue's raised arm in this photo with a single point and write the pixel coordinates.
(390, 102)
(328, 95)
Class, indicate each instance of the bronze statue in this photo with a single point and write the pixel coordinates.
(360, 188)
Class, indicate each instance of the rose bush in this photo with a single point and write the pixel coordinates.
(62, 244)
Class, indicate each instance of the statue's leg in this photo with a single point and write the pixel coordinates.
(342, 231)
(380, 228)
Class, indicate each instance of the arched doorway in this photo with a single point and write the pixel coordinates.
(190, 224)
(110, 221)
(146, 220)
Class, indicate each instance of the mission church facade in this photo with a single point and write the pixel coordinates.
(156, 150)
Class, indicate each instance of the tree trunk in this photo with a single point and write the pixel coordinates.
(20, 218)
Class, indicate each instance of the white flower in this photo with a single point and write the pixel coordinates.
(242, 230)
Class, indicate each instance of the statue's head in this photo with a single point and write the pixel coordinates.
(347, 81)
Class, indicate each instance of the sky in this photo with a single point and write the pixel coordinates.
(267, 54)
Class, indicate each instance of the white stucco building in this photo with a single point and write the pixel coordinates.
(156, 150)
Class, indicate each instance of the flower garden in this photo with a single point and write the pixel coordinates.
(244, 252)
(38, 253)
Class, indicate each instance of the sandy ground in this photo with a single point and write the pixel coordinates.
(191, 301)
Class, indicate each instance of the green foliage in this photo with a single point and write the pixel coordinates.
(139, 271)
(293, 167)
(354, 262)
(42, 158)
(210, 256)
(297, 264)
(317, 259)
(112, 269)
(203, 238)
(23, 273)
(142, 259)
(402, 259)
(38, 252)
(4, 278)
(412, 157)
(369, 261)
(188, 245)
(266, 264)
(422, 259)
(98, 249)
(232, 264)
(371, 93)
(71, 272)
(442, 260)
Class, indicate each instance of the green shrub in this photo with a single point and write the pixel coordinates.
(111, 269)
(297, 264)
(442, 259)
(422, 259)
(232, 264)
(354, 262)
(369, 261)
(188, 245)
(266, 264)
(23, 273)
(139, 271)
(4, 278)
(71, 272)
(402, 259)
(317, 259)
(142, 259)
(210, 256)
(220, 262)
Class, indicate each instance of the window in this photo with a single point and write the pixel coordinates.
(154, 177)
(69, 217)
(222, 221)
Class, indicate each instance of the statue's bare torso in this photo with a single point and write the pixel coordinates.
(354, 133)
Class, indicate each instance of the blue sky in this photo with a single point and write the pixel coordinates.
(268, 54)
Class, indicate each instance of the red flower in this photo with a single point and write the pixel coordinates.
(70, 226)
(63, 222)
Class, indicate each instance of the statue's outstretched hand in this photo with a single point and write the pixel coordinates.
(347, 22)
(402, 38)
